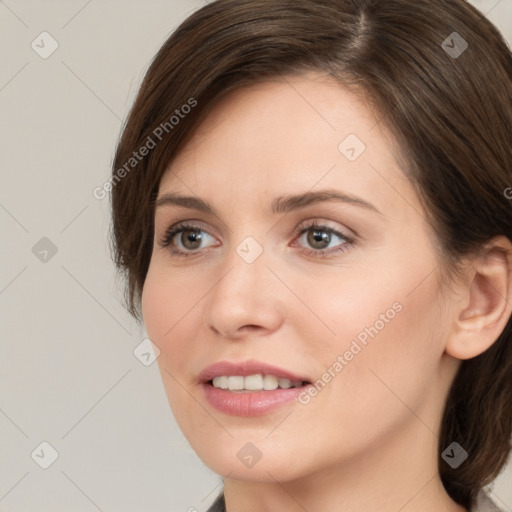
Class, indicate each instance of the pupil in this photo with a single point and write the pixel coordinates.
(319, 236)
(194, 237)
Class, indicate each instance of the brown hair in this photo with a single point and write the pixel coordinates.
(449, 107)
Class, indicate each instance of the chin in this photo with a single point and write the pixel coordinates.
(252, 461)
(263, 472)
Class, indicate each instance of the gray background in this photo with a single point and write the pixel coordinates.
(68, 374)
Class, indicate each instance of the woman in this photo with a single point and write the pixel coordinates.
(310, 207)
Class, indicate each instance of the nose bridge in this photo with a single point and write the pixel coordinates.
(243, 294)
(242, 270)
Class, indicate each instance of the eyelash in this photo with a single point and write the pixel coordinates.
(171, 233)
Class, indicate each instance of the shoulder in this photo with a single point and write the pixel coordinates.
(485, 504)
(219, 505)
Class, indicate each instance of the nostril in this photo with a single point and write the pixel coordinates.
(250, 327)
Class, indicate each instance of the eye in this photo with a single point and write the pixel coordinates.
(320, 237)
(186, 237)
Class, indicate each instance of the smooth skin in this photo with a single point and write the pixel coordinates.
(368, 440)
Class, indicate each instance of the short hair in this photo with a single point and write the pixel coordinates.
(440, 76)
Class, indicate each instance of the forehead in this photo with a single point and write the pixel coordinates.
(292, 133)
(298, 113)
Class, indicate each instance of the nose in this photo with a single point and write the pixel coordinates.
(245, 299)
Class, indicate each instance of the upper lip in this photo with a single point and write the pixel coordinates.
(245, 368)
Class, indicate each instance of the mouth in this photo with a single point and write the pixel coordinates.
(250, 388)
(250, 375)
(254, 383)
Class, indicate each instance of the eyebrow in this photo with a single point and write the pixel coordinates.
(282, 204)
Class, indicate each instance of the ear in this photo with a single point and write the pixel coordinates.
(486, 301)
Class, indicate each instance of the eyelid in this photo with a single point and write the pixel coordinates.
(319, 222)
(175, 228)
(348, 242)
(195, 222)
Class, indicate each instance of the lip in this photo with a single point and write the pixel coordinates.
(245, 368)
(250, 403)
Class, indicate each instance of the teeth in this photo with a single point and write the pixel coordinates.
(255, 382)
(235, 383)
(252, 382)
(270, 382)
(285, 383)
(221, 382)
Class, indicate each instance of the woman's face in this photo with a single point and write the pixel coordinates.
(340, 293)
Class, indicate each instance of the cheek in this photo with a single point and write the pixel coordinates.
(155, 299)
(168, 306)
(168, 301)
(387, 346)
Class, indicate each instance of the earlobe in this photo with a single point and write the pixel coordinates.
(487, 307)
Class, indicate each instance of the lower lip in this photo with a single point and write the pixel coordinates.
(250, 403)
